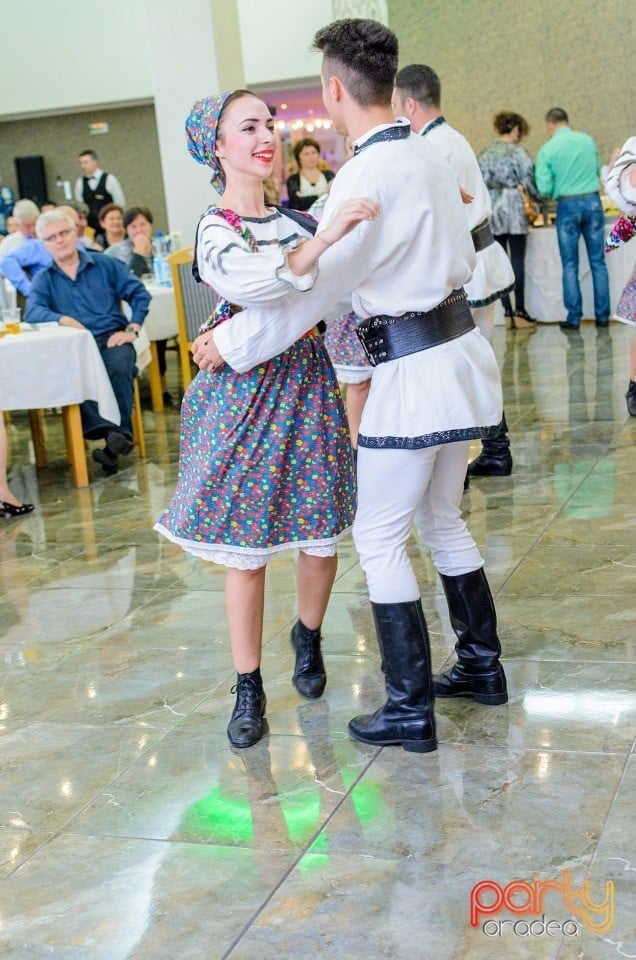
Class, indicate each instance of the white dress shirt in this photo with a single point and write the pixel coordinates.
(112, 186)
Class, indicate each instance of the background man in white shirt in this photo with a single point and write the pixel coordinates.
(96, 188)
(417, 97)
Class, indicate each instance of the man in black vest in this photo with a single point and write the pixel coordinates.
(96, 188)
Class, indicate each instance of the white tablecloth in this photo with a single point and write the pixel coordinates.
(161, 322)
(53, 366)
(544, 290)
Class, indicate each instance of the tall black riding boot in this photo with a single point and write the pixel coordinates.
(407, 717)
(495, 459)
(309, 676)
(246, 723)
(478, 672)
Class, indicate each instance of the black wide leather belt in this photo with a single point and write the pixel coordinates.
(482, 236)
(385, 338)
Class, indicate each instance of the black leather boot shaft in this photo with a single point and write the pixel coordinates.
(310, 678)
(407, 717)
(495, 459)
(478, 672)
(246, 723)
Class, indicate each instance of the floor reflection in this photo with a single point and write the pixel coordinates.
(130, 829)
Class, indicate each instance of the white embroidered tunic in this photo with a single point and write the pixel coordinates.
(410, 259)
(493, 275)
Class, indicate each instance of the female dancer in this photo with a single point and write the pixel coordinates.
(265, 461)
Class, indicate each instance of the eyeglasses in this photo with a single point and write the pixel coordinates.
(57, 236)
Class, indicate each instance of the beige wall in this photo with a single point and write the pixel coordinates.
(528, 57)
(130, 150)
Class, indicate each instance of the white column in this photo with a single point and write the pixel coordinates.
(184, 68)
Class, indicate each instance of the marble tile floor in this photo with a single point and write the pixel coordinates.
(130, 829)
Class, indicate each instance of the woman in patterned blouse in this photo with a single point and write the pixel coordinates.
(506, 166)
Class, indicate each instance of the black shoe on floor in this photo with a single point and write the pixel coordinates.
(118, 444)
(106, 459)
(309, 676)
(630, 396)
(602, 324)
(569, 326)
(10, 510)
(246, 723)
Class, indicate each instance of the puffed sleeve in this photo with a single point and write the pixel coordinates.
(618, 184)
(240, 275)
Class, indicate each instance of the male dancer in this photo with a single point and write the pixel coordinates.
(435, 384)
(418, 98)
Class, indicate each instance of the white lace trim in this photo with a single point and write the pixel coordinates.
(248, 558)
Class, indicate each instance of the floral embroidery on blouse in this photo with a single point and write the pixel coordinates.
(224, 309)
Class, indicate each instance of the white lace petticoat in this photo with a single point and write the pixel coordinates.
(249, 558)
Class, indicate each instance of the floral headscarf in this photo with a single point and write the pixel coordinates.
(201, 128)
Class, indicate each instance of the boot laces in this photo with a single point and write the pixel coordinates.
(248, 697)
(309, 650)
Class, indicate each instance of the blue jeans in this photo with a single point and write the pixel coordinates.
(576, 217)
(120, 363)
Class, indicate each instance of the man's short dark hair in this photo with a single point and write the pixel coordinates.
(364, 56)
(131, 213)
(421, 83)
(89, 153)
(556, 115)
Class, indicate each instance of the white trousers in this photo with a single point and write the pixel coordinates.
(397, 488)
(484, 317)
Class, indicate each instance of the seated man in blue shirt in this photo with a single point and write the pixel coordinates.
(84, 289)
(23, 264)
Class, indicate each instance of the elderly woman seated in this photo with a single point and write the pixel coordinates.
(136, 250)
(111, 226)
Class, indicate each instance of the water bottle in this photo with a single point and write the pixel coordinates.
(160, 250)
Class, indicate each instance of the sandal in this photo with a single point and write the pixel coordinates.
(10, 509)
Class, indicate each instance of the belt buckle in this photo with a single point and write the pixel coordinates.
(361, 330)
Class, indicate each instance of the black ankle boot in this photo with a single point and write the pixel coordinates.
(309, 676)
(246, 723)
(495, 459)
(478, 672)
(407, 717)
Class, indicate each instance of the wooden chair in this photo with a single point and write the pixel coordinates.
(75, 446)
(194, 303)
(139, 437)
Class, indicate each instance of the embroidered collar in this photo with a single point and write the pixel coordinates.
(399, 131)
(437, 122)
(236, 223)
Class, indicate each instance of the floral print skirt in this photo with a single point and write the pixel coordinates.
(345, 350)
(265, 462)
